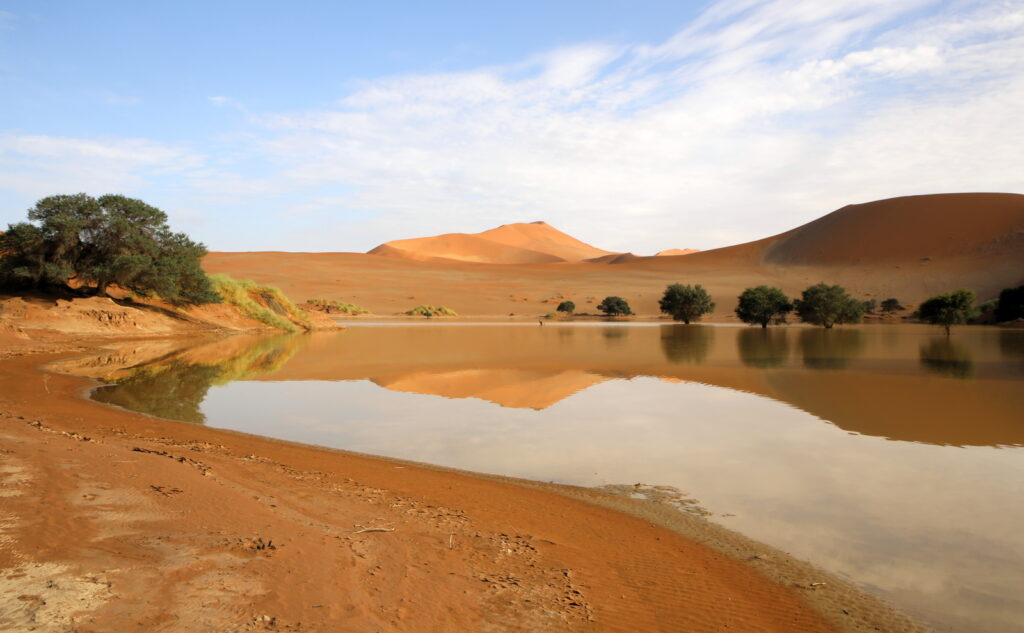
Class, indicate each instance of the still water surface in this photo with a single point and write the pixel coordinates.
(891, 455)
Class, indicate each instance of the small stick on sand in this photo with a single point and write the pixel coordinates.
(373, 529)
(451, 541)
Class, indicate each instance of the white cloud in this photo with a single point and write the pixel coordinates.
(37, 165)
(123, 100)
(757, 117)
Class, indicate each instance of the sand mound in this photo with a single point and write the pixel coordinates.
(672, 252)
(913, 228)
(615, 258)
(533, 243)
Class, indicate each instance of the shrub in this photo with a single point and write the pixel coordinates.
(330, 306)
(566, 306)
(1011, 304)
(105, 241)
(427, 310)
(686, 303)
(869, 305)
(549, 315)
(949, 309)
(827, 306)
(892, 304)
(614, 306)
(763, 305)
(266, 304)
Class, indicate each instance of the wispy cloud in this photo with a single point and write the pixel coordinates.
(757, 116)
(122, 100)
(37, 165)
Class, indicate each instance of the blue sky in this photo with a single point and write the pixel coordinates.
(634, 126)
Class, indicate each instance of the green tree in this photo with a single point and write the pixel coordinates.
(686, 303)
(949, 309)
(566, 306)
(110, 240)
(1011, 304)
(48, 248)
(827, 306)
(870, 305)
(763, 305)
(891, 304)
(614, 306)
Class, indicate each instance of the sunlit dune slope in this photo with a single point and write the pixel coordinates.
(909, 248)
(533, 243)
(906, 229)
(672, 252)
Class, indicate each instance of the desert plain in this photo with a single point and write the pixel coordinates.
(111, 520)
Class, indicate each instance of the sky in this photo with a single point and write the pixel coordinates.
(634, 126)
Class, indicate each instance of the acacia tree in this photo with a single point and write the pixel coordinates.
(614, 306)
(891, 304)
(1011, 304)
(686, 303)
(110, 240)
(825, 305)
(566, 306)
(949, 309)
(763, 305)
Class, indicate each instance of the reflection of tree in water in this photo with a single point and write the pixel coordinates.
(174, 387)
(615, 336)
(686, 343)
(945, 357)
(763, 348)
(830, 349)
(1011, 345)
(174, 391)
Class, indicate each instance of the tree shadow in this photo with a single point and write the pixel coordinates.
(763, 348)
(823, 348)
(686, 344)
(946, 358)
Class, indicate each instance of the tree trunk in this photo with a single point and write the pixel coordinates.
(764, 325)
(101, 289)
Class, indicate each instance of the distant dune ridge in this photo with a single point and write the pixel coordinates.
(910, 248)
(520, 243)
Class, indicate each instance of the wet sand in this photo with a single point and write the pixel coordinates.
(116, 521)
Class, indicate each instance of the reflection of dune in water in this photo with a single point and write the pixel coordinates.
(876, 382)
(514, 388)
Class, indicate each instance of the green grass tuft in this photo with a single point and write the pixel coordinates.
(330, 306)
(266, 304)
(428, 310)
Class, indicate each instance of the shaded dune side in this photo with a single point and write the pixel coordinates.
(903, 229)
(534, 243)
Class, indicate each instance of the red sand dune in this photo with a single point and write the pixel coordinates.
(672, 252)
(909, 248)
(533, 243)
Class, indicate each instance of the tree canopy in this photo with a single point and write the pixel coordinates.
(566, 306)
(1011, 304)
(825, 305)
(892, 304)
(686, 303)
(614, 306)
(948, 309)
(99, 242)
(763, 305)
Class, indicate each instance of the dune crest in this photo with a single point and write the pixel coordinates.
(519, 243)
(672, 252)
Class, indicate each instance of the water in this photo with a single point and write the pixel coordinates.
(891, 455)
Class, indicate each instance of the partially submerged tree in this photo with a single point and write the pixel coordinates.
(763, 305)
(101, 242)
(826, 305)
(567, 307)
(686, 303)
(614, 306)
(948, 309)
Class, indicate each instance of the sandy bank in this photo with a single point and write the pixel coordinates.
(156, 525)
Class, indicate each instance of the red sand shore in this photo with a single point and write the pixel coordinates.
(112, 521)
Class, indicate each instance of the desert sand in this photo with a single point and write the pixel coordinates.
(158, 525)
(909, 248)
